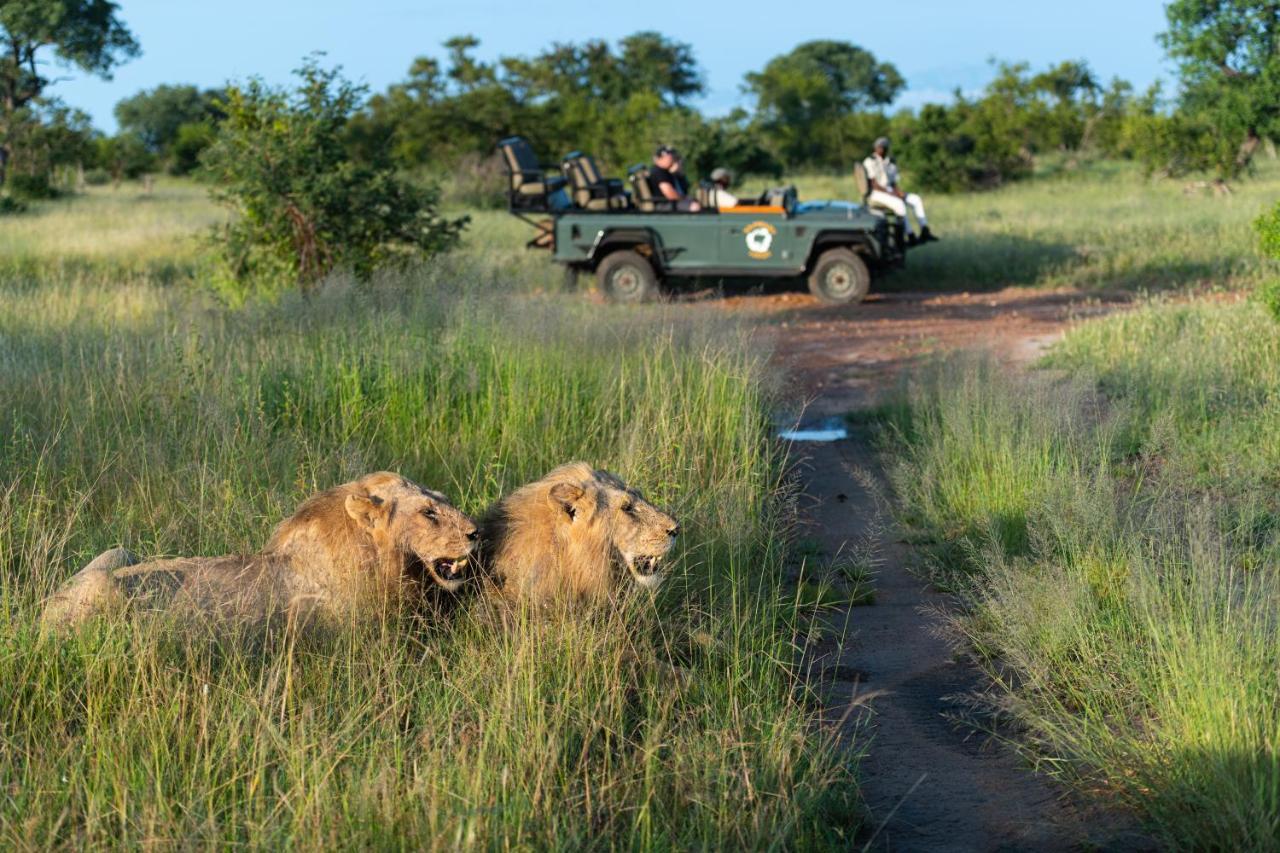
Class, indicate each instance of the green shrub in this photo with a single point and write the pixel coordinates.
(304, 205)
(1268, 227)
(11, 205)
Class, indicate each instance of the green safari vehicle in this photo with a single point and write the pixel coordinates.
(633, 242)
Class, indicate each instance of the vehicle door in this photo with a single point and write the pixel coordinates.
(688, 240)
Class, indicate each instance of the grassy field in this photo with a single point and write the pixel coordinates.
(146, 412)
(1117, 555)
(1100, 226)
(1113, 534)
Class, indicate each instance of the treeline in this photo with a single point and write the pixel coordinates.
(816, 108)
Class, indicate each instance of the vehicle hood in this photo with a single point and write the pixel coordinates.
(841, 212)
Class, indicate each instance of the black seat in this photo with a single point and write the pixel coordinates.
(529, 186)
(589, 188)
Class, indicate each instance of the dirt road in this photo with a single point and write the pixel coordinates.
(930, 783)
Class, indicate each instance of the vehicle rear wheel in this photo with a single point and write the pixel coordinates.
(840, 277)
(627, 277)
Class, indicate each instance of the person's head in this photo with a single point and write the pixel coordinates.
(721, 177)
(882, 146)
(677, 161)
(664, 157)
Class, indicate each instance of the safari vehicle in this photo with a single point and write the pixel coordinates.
(634, 242)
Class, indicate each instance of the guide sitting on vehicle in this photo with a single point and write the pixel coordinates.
(666, 183)
(721, 198)
(882, 173)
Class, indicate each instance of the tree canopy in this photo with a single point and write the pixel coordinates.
(803, 98)
(1228, 55)
(87, 34)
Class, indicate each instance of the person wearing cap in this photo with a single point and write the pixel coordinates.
(886, 192)
(721, 198)
(665, 183)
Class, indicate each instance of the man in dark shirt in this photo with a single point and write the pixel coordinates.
(666, 185)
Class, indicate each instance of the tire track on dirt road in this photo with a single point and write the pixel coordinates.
(929, 782)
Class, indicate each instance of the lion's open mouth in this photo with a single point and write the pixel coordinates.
(448, 571)
(645, 569)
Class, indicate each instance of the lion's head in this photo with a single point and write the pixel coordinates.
(571, 529)
(411, 529)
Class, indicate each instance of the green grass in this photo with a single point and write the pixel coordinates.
(1117, 556)
(157, 416)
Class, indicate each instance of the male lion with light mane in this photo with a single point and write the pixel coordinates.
(562, 536)
(353, 550)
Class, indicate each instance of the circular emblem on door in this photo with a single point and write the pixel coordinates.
(759, 239)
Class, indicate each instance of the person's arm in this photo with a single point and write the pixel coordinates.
(669, 192)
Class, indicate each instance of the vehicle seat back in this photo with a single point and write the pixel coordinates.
(861, 182)
(642, 191)
(528, 181)
(589, 188)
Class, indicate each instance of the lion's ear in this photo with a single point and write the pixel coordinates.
(366, 511)
(565, 496)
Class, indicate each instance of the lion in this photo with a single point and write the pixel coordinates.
(563, 536)
(353, 550)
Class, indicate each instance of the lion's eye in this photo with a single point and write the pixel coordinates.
(628, 506)
(429, 513)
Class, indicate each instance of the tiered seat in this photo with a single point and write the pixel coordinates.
(530, 187)
(589, 188)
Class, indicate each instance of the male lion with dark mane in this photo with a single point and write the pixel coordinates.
(353, 550)
(562, 536)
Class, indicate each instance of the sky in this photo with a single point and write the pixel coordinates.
(937, 45)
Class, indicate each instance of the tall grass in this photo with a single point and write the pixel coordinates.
(1117, 557)
(159, 418)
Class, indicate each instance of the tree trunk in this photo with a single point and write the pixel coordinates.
(1247, 149)
(4, 162)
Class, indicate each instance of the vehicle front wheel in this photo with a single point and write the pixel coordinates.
(840, 277)
(627, 277)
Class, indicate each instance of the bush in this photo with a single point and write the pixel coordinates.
(10, 205)
(305, 206)
(1268, 228)
(191, 141)
(28, 186)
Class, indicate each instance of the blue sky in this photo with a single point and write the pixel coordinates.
(938, 45)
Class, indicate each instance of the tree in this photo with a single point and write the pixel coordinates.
(803, 96)
(157, 115)
(304, 205)
(1228, 53)
(86, 34)
(46, 137)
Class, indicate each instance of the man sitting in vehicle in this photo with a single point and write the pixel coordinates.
(721, 198)
(882, 174)
(666, 183)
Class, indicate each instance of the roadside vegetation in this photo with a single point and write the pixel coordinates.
(1112, 530)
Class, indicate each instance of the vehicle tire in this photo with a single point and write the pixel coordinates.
(626, 277)
(839, 277)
